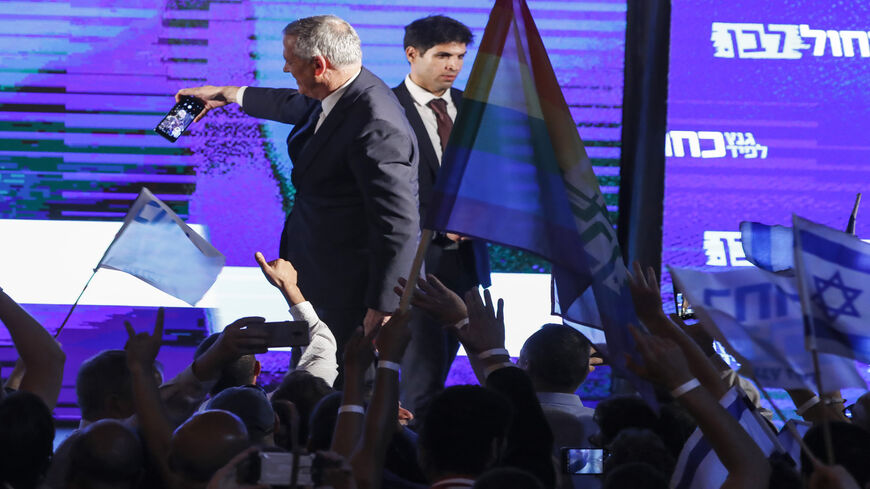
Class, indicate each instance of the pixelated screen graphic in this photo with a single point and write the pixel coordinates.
(767, 105)
(83, 85)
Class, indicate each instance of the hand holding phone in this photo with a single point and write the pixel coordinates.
(179, 118)
(576, 460)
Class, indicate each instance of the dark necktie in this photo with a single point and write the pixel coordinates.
(445, 124)
(298, 139)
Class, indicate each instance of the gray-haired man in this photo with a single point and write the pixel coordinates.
(354, 226)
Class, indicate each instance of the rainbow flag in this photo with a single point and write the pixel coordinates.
(515, 172)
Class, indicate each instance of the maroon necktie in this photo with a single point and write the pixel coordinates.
(445, 124)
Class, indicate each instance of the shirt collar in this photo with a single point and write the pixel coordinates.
(328, 103)
(562, 398)
(422, 96)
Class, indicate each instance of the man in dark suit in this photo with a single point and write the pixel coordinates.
(354, 226)
(435, 48)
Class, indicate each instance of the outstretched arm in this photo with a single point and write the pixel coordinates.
(42, 357)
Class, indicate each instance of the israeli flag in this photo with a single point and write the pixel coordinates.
(698, 466)
(833, 270)
(767, 247)
(757, 316)
(156, 246)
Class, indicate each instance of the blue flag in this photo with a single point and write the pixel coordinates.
(156, 246)
(833, 269)
(757, 315)
(767, 247)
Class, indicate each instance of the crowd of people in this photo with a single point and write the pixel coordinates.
(212, 426)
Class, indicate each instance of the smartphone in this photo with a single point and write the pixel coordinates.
(684, 309)
(283, 333)
(577, 461)
(179, 117)
(276, 469)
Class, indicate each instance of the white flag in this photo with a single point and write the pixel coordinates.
(156, 246)
(757, 315)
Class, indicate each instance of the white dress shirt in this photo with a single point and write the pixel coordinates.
(421, 97)
(328, 103)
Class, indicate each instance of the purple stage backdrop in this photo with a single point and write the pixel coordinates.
(83, 83)
(767, 107)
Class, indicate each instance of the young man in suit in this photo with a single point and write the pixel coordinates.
(435, 48)
(354, 226)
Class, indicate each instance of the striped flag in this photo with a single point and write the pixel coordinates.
(156, 246)
(833, 270)
(698, 466)
(767, 247)
(515, 172)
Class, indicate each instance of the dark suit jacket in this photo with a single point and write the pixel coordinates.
(475, 253)
(354, 226)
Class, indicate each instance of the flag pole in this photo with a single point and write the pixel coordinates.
(71, 309)
(791, 429)
(850, 227)
(414, 273)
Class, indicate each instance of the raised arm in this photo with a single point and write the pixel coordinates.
(381, 417)
(665, 364)
(41, 356)
(319, 357)
(142, 350)
(648, 305)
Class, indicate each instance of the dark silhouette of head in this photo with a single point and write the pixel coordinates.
(322, 423)
(304, 391)
(638, 445)
(635, 475)
(26, 437)
(243, 371)
(252, 406)
(205, 443)
(556, 358)
(507, 478)
(104, 388)
(851, 449)
(617, 413)
(106, 454)
(463, 432)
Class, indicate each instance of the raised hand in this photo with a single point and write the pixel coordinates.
(212, 96)
(374, 319)
(393, 337)
(646, 294)
(436, 299)
(663, 360)
(236, 340)
(227, 476)
(142, 348)
(359, 352)
(281, 274)
(485, 329)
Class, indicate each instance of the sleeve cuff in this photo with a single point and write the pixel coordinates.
(494, 368)
(240, 95)
(304, 311)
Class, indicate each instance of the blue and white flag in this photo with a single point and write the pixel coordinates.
(757, 316)
(768, 247)
(698, 466)
(156, 246)
(788, 441)
(833, 269)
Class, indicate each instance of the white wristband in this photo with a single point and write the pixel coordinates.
(351, 408)
(679, 391)
(461, 323)
(388, 365)
(803, 408)
(491, 353)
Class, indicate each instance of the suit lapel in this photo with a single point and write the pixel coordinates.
(328, 128)
(427, 152)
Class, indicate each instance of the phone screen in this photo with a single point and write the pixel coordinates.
(684, 309)
(179, 117)
(582, 460)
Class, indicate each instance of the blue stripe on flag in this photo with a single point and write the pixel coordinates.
(693, 461)
(761, 242)
(834, 252)
(855, 346)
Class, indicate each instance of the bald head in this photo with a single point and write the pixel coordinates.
(106, 454)
(205, 443)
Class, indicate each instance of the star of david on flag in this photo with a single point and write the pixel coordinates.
(833, 270)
